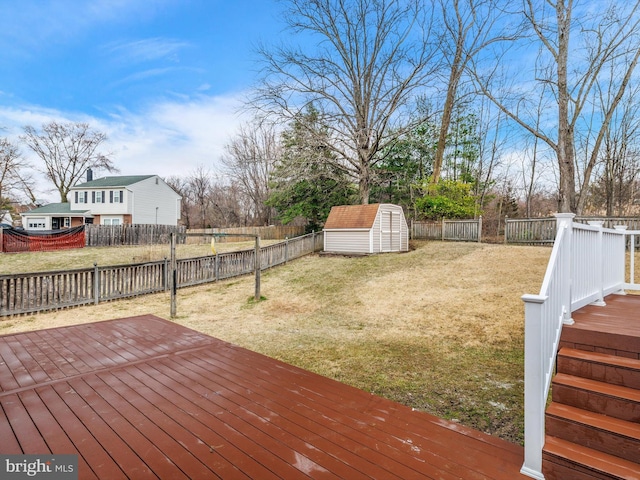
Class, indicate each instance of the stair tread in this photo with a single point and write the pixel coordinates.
(595, 420)
(602, 388)
(592, 459)
(603, 358)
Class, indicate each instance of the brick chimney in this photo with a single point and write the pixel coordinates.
(89, 175)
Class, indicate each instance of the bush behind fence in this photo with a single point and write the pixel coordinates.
(37, 292)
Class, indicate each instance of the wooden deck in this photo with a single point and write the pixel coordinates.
(144, 398)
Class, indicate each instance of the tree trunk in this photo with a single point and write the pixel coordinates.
(565, 152)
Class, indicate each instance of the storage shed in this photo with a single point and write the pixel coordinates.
(362, 229)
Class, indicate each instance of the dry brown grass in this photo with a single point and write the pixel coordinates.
(85, 257)
(439, 328)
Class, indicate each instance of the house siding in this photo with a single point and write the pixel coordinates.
(149, 201)
(154, 202)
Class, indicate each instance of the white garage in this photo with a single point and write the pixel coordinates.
(364, 229)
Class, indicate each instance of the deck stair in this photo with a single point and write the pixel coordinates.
(593, 421)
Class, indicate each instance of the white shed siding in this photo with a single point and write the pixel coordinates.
(347, 241)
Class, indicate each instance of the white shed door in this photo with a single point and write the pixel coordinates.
(390, 232)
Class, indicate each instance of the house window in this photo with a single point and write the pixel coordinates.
(97, 197)
(67, 222)
(116, 196)
(82, 197)
(111, 221)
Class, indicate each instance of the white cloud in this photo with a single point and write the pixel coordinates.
(173, 138)
(169, 138)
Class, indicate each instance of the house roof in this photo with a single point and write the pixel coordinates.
(120, 181)
(57, 209)
(352, 216)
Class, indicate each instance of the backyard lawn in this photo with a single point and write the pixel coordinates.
(439, 328)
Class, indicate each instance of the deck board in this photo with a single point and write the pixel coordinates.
(146, 398)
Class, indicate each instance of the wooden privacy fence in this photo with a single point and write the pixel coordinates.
(457, 230)
(117, 235)
(37, 292)
(271, 232)
(541, 231)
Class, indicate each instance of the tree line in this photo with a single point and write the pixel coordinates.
(450, 108)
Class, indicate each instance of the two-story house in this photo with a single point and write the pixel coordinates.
(120, 200)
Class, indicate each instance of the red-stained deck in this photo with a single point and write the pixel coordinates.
(145, 398)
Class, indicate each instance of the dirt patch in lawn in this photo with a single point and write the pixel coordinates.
(439, 328)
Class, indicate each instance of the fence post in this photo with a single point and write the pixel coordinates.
(565, 220)
(506, 220)
(174, 276)
(257, 268)
(165, 276)
(479, 228)
(286, 247)
(96, 284)
(217, 267)
(442, 229)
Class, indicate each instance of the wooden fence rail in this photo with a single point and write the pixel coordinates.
(37, 292)
(541, 231)
(271, 232)
(456, 230)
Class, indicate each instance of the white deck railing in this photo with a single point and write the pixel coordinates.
(587, 263)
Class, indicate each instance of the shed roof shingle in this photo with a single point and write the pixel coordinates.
(352, 216)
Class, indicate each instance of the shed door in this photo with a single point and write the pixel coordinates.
(390, 232)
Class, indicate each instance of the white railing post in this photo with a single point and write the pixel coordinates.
(632, 249)
(534, 386)
(599, 262)
(565, 220)
(632, 258)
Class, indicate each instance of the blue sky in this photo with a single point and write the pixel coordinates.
(163, 78)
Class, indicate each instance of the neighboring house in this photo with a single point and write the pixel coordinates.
(362, 229)
(55, 216)
(121, 200)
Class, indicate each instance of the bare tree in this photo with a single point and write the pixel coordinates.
(199, 185)
(67, 150)
(371, 59)
(14, 178)
(181, 186)
(250, 159)
(575, 48)
(470, 26)
(619, 165)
